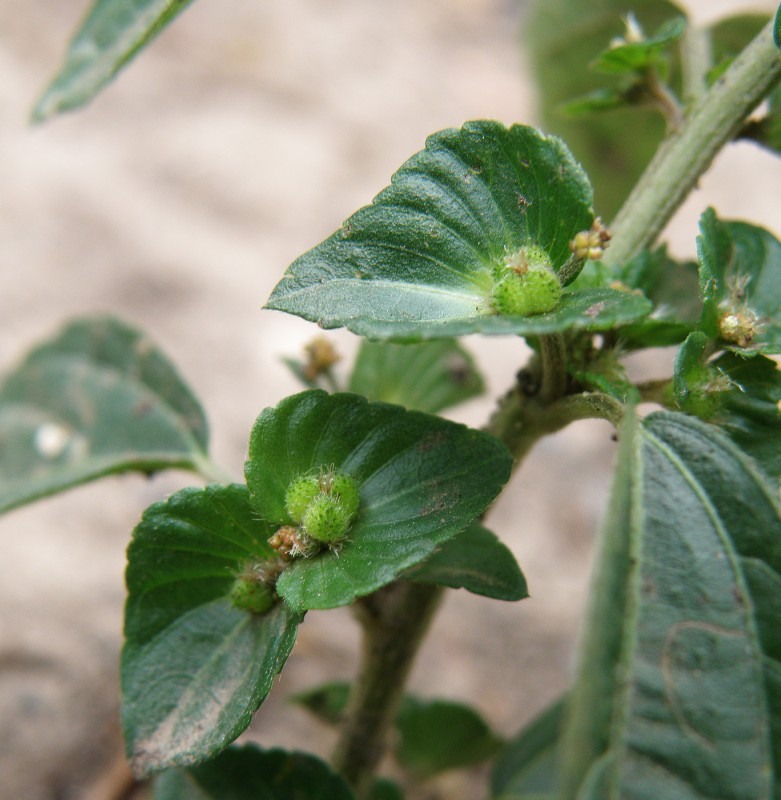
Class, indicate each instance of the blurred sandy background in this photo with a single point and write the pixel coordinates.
(244, 136)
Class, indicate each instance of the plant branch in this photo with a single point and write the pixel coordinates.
(686, 155)
(394, 620)
(696, 60)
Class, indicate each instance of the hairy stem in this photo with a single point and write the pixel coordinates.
(553, 354)
(686, 155)
(394, 620)
(696, 60)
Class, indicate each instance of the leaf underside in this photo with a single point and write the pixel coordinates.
(672, 694)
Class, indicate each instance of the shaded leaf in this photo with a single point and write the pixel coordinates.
(739, 394)
(671, 698)
(563, 37)
(672, 287)
(628, 57)
(385, 789)
(112, 33)
(194, 667)
(249, 773)
(421, 480)
(99, 398)
(739, 269)
(474, 560)
(426, 377)
(436, 735)
(326, 702)
(527, 765)
(749, 409)
(598, 100)
(418, 262)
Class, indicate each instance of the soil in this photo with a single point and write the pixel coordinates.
(176, 200)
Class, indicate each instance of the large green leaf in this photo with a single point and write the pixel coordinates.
(671, 699)
(97, 399)
(112, 33)
(417, 263)
(740, 279)
(429, 377)
(477, 561)
(194, 667)
(422, 479)
(564, 37)
(249, 773)
(527, 766)
(439, 735)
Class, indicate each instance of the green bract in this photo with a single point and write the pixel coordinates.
(421, 480)
(739, 269)
(419, 261)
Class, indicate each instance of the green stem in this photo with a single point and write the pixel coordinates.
(521, 420)
(686, 155)
(553, 355)
(696, 60)
(394, 620)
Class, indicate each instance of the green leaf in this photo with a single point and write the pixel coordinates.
(249, 773)
(419, 261)
(326, 702)
(671, 699)
(97, 399)
(740, 266)
(749, 407)
(384, 789)
(112, 33)
(429, 377)
(436, 735)
(598, 100)
(194, 667)
(672, 288)
(422, 479)
(563, 37)
(527, 766)
(777, 28)
(739, 394)
(630, 57)
(476, 561)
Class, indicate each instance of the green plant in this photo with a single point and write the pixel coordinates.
(351, 500)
